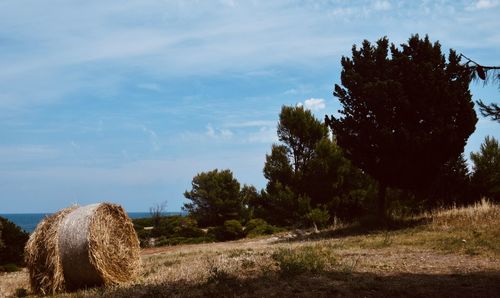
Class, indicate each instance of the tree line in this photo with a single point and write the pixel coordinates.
(397, 146)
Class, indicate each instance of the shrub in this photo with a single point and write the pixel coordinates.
(258, 226)
(13, 240)
(318, 217)
(231, 230)
(298, 260)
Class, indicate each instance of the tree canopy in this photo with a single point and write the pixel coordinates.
(215, 197)
(307, 170)
(486, 166)
(405, 114)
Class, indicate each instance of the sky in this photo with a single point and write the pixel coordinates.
(126, 101)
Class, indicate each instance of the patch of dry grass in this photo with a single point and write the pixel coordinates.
(429, 259)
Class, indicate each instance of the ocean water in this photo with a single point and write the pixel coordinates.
(29, 221)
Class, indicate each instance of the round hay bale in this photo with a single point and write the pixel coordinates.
(42, 255)
(82, 247)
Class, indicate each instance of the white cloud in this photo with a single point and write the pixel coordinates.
(263, 135)
(313, 104)
(483, 4)
(382, 5)
(218, 133)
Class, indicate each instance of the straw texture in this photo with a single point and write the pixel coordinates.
(83, 247)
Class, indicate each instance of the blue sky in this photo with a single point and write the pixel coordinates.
(126, 101)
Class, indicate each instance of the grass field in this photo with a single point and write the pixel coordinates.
(452, 252)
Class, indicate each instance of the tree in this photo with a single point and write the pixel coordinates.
(452, 185)
(485, 73)
(13, 239)
(305, 171)
(403, 116)
(486, 169)
(492, 110)
(215, 197)
(300, 131)
(156, 212)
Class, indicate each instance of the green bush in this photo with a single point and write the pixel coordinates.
(314, 259)
(13, 240)
(231, 230)
(318, 217)
(258, 226)
(163, 241)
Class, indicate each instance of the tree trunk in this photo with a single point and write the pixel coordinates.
(381, 202)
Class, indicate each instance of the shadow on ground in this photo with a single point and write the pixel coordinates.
(364, 227)
(477, 284)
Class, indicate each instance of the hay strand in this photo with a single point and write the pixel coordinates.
(42, 255)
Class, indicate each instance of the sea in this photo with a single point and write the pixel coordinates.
(29, 221)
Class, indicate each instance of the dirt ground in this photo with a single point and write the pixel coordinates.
(188, 270)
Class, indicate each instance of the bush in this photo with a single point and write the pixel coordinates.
(314, 259)
(258, 226)
(13, 240)
(231, 230)
(318, 217)
(163, 241)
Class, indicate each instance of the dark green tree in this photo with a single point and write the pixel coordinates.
(404, 115)
(12, 242)
(452, 185)
(486, 169)
(307, 170)
(215, 197)
(300, 131)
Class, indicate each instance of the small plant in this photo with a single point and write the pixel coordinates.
(312, 259)
(318, 218)
(216, 274)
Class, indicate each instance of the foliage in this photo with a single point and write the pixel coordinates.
(314, 259)
(14, 240)
(179, 228)
(452, 185)
(258, 226)
(492, 110)
(486, 167)
(231, 230)
(318, 217)
(163, 241)
(403, 116)
(156, 212)
(300, 131)
(306, 170)
(215, 197)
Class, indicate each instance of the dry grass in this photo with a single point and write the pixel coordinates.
(413, 261)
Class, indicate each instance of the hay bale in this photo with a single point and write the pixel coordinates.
(82, 247)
